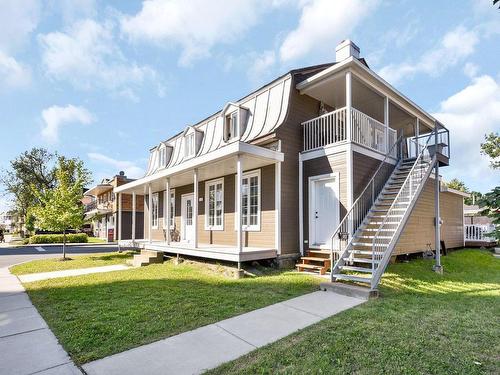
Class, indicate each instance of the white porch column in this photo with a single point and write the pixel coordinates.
(119, 224)
(195, 207)
(277, 206)
(150, 213)
(133, 215)
(167, 208)
(348, 104)
(239, 175)
(386, 123)
(301, 205)
(417, 134)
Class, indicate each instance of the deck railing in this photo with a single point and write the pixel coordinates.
(474, 232)
(325, 130)
(330, 128)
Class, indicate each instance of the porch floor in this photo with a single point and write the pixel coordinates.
(210, 251)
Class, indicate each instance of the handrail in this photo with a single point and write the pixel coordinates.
(357, 202)
(408, 181)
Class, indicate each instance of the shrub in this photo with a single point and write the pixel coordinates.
(58, 238)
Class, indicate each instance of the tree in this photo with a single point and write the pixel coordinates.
(31, 168)
(491, 204)
(491, 148)
(457, 185)
(60, 208)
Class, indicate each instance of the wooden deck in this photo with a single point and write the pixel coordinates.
(209, 251)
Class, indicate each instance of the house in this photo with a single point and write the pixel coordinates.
(101, 210)
(477, 227)
(7, 221)
(329, 163)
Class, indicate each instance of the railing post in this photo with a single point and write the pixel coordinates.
(348, 106)
(386, 123)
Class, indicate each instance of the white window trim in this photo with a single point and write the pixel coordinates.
(250, 228)
(157, 210)
(162, 157)
(172, 225)
(207, 185)
(190, 135)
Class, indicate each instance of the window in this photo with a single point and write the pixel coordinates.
(214, 205)
(154, 211)
(172, 207)
(162, 157)
(189, 145)
(250, 201)
(232, 128)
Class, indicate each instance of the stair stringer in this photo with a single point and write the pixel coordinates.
(382, 265)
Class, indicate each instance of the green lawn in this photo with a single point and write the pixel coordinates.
(95, 240)
(424, 324)
(77, 261)
(96, 315)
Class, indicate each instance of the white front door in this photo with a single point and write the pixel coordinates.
(187, 228)
(323, 209)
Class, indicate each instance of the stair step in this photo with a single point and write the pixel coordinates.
(364, 252)
(318, 252)
(356, 269)
(341, 276)
(315, 259)
(361, 260)
(372, 237)
(309, 266)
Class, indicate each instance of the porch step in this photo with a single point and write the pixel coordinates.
(147, 257)
(315, 259)
(319, 253)
(311, 267)
(349, 290)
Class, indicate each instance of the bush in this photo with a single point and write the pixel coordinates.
(58, 238)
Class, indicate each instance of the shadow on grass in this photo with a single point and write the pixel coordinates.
(97, 315)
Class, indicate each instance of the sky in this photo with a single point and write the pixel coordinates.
(107, 80)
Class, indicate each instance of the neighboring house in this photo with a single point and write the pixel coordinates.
(7, 221)
(477, 227)
(323, 157)
(101, 210)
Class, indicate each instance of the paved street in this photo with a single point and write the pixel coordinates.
(14, 255)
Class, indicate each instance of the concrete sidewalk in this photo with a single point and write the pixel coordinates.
(75, 272)
(207, 347)
(27, 345)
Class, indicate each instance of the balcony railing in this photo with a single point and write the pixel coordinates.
(443, 143)
(331, 128)
(98, 206)
(478, 233)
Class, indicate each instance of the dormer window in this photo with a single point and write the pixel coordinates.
(189, 145)
(232, 128)
(235, 118)
(163, 157)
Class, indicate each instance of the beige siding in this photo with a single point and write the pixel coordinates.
(419, 230)
(263, 238)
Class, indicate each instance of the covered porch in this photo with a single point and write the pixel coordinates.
(223, 205)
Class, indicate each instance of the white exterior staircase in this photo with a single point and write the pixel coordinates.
(365, 239)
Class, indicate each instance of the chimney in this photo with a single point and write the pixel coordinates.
(122, 173)
(346, 49)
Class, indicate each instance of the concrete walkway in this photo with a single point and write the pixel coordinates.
(27, 345)
(65, 273)
(207, 347)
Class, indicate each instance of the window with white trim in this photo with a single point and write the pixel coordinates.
(250, 201)
(172, 209)
(154, 211)
(214, 204)
(162, 157)
(189, 144)
(232, 126)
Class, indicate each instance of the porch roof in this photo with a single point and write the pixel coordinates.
(217, 163)
(313, 83)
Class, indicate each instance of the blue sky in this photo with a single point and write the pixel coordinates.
(105, 81)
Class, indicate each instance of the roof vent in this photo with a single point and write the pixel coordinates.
(346, 49)
(122, 173)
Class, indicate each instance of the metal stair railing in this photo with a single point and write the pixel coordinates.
(410, 189)
(352, 220)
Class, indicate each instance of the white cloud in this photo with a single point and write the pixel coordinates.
(131, 169)
(18, 19)
(86, 56)
(261, 65)
(55, 117)
(195, 26)
(470, 114)
(324, 23)
(13, 74)
(455, 46)
(471, 70)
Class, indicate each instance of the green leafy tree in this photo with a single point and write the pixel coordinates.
(60, 208)
(491, 204)
(30, 169)
(457, 185)
(491, 148)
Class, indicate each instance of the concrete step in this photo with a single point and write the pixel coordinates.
(359, 279)
(349, 290)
